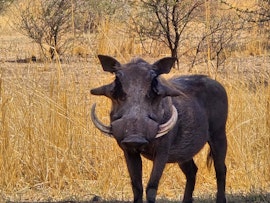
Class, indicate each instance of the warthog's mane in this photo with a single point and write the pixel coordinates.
(138, 60)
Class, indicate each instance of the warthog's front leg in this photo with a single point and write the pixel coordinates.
(158, 167)
(134, 164)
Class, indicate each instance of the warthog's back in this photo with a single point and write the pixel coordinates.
(209, 93)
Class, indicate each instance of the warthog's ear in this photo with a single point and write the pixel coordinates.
(164, 88)
(103, 90)
(113, 91)
(108, 63)
(164, 65)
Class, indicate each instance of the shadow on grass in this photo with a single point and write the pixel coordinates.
(231, 198)
(252, 198)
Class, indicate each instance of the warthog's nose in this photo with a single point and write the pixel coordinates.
(135, 141)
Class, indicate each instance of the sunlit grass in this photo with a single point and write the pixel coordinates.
(51, 150)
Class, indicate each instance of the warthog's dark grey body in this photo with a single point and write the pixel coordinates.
(142, 102)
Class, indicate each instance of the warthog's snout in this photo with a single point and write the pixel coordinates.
(134, 141)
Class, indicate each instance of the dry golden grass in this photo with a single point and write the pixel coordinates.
(50, 150)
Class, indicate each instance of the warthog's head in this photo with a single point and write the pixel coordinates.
(141, 105)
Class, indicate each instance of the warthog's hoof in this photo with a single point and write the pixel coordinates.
(188, 201)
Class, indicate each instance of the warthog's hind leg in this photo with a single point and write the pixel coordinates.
(218, 145)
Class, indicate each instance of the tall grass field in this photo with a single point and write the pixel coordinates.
(50, 150)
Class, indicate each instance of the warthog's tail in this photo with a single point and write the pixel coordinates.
(209, 160)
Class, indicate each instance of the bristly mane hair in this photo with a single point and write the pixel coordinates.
(138, 60)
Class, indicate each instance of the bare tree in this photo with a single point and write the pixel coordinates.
(203, 30)
(166, 20)
(258, 15)
(221, 27)
(48, 23)
(260, 12)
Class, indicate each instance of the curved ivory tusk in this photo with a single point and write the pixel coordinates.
(166, 127)
(103, 128)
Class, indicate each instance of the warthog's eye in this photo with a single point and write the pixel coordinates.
(153, 74)
(154, 85)
(116, 117)
(118, 92)
(152, 117)
(153, 91)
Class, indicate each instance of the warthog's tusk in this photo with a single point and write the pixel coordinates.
(103, 128)
(166, 127)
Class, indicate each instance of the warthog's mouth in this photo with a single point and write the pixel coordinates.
(163, 128)
(134, 141)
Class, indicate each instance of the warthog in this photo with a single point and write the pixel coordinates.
(165, 121)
